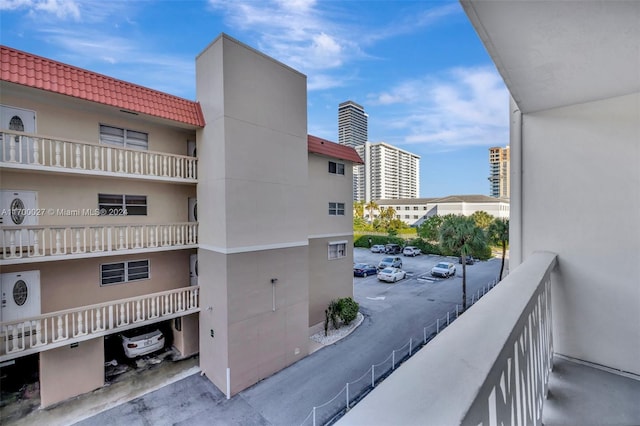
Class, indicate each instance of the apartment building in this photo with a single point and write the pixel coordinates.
(388, 173)
(557, 341)
(353, 124)
(123, 206)
(499, 172)
(413, 211)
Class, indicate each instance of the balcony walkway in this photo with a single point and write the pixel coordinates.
(56, 329)
(580, 394)
(25, 151)
(46, 243)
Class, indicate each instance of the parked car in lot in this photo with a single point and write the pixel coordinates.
(392, 249)
(411, 251)
(364, 270)
(390, 261)
(391, 275)
(443, 269)
(142, 341)
(469, 260)
(378, 248)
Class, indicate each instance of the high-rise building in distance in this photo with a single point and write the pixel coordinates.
(388, 173)
(499, 169)
(352, 124)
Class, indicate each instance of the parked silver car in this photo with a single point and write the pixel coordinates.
(390, 261)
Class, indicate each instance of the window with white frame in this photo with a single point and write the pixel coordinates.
(122, 205)
(123, 272)
(336, 168)
(124, 138)
(336, 209)
(337, 249)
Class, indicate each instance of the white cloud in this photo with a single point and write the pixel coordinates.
(15, 4)
(462, 107)
(295, 32)
(317, 38)
(319, 81)
(124, 58)
(61, 9)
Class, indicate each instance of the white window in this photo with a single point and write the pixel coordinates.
(336, 168)
(124, 138)
(122, 205)
(336, 209)
(337, 249)
(123, 272)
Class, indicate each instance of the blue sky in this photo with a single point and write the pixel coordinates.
(417, 67)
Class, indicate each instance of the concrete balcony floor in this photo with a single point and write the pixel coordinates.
(581, 394)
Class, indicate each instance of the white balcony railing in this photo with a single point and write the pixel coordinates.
(55, 329)
(22, 244)
(27, 151)
(489, 367)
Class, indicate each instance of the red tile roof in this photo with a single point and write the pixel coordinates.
(41, 73)
(331, 149)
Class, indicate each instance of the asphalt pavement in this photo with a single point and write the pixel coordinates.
(394, 314)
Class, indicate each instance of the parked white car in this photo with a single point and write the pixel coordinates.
(443, 269)
(138, 342)
(411, 251)
(378, 248)
(391, 275)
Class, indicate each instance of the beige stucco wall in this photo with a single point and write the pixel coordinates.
(580, 199)
(325, 187)
(263, 340)
(166, 203)
(186, 339)
(328, 279)
(252, 183)
(250, 338)
(54, 113)
(212, 278)
(66, 372)
(252, 169)
(71, 283)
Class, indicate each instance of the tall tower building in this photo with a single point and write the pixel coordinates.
(388, 173)
(499, 181)
(352, 124)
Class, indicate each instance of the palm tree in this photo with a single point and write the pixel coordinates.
(498, 234)
(482, 219)
(358, 209)
(461, 235)
(371, 206)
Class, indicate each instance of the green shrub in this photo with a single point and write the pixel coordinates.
(483, 254)
(425, 246)
(348, 309)
(334, 313)
(345, 309)
(363, 240)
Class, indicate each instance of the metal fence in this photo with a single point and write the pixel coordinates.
(352, 392)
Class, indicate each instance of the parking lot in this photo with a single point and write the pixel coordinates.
(419, 267)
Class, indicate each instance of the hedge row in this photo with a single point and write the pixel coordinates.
(425, 246)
